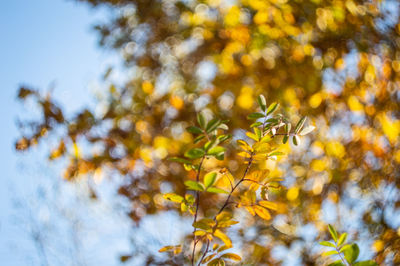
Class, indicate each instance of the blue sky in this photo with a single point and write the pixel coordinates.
(43, 43)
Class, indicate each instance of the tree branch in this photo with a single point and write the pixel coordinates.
(197, 209)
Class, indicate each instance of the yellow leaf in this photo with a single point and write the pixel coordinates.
(166, 248)
(232, 256)
(268, 204)
(259, 157)
(261, 147)
(266, 138)
(250, 210)
(242, 144)
(227, 241)
(244, 154)
(262, 212)
(199, 233)
(252, 136)
(224, 216)
(177, 250)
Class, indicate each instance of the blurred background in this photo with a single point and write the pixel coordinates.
(96, 95)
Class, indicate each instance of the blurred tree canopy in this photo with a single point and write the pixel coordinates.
(337, 62)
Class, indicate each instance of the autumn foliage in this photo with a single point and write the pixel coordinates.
(193, 74)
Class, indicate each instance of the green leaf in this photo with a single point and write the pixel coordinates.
(327, 244)
(216, 150)
(198, 139)
(262, 102)
(209, 179)
(333, 232)
(255, 116)
(276, 153)
(216, 190)
(288, 127)
(285, 139)
(173, 197)
(194, 130)
(223, 138)
(351, 254)
(223, 126)
(366, 263)
(212, 125)
(300, 124)
(272, 108)
(337, 263)
(256, 124)
(306, 130)
(194, 153)
(189, 198)
(220, 156)
(342, 239)
(179, 160)
(205, 224)
(201, 120)
(296, 140)
(345, 247)
(257, 131)
(329, 253)
(209, 144)
(193, 185)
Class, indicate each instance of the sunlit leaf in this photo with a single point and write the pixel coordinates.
(268, 204)
(242, 144)
(366, 263)
(306, 130)
(179, 160)
(255, 116)
(193, 185)
(212, 125)
(208, 258)
(329, 253)
(327, 244)
(194, 130)
(231, 256)
(262, 102)
(216, 190)
(351, 253)
(333, 232)
(300, 125)
(252, 136)
(272, 108)
(201, 120)
(209, 179)
(262, 212)
(227, 241)
(173, 197)
(216, 150)
(342, 239)
(194, 153)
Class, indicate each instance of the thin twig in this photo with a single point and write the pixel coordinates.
(205, 252)
(197, 209)
(237, 184)
(341, 257)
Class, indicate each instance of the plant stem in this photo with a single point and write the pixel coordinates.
(227, 200)
(205, 252)
(341, 257)
(237, 184)
(197, 209)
